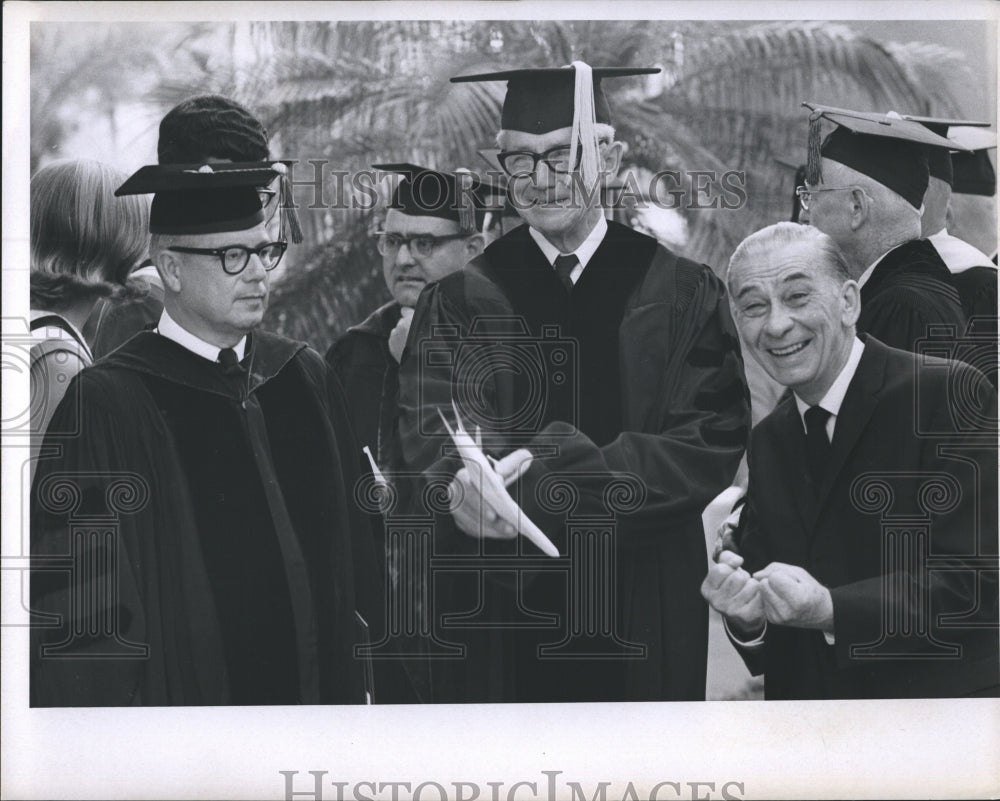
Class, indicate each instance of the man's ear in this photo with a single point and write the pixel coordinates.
(474, 245)
(168, 265)
(860, 208)
(850, 296)
(613, 154)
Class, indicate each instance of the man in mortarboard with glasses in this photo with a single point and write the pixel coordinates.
(230, 577)
(864, 189)
(655, 390)
(432, 227)
(200, 129)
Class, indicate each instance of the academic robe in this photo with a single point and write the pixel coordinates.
(635, 375)
(908, 291)
(370, 376)
(360, 358)
(975, 278)
(232, 534)
(897, 429)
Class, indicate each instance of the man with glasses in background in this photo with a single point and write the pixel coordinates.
(227, 456)
(864, 189)
(643, 378)
(433, 226)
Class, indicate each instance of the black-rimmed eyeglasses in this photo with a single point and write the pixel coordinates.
(525, 162)
(235, 258)
(421, 244)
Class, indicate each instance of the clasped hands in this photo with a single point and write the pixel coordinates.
(784, 594)
(472, 512)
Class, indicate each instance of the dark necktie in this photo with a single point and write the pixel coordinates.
(817, 442)
(564, 266)
(230, 364)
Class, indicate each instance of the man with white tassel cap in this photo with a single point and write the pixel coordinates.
(610, 362)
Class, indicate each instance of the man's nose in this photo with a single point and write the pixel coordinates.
(404, 255)
(542, 174)
(779, 321)
(254, 270)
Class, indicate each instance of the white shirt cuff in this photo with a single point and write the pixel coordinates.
(758, 640)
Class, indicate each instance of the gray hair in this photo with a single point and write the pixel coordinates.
(761, 244)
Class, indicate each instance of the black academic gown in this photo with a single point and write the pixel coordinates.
(908, 292)
(370, 377)
(233, 543)
(977, 287)
(907, 460)
(630, 394)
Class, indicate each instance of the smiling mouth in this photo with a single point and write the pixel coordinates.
(790, 350)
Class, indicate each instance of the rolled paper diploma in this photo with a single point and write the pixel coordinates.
(494, 491)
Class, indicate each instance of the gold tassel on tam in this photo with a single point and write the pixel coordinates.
(287, 209)
(465, 181)
(585, 123)
(814, 167)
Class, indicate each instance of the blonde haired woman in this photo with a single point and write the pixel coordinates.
(84, 243)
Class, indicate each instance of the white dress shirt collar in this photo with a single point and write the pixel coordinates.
(583, 253)
(171, 329)
(834, 397)
(957, 255)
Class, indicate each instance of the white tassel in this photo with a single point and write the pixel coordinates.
(585, 123)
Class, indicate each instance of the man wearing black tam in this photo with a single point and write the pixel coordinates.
(602, 368)
(864, 188)
(200, 129)
(207, 477)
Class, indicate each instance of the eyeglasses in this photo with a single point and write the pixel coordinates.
(805, 193)
(421, 244)
(235, 258)
(525, 162)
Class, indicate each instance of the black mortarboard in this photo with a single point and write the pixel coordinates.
(460, 196)
(939, 160)
(885, 147)
(542, 100)
(974, 173)
(203, 198)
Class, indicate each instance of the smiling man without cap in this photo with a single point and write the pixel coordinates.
(804, 587)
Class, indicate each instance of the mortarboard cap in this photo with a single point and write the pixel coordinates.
(542, 100)
(939, 160)
(885, 147)
(203, 198)
(974, 173)
(460, 196)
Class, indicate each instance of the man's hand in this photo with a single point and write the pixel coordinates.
(792, 597)
(734, 593)
(725, 533)
(471, 510)
(397, 337)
